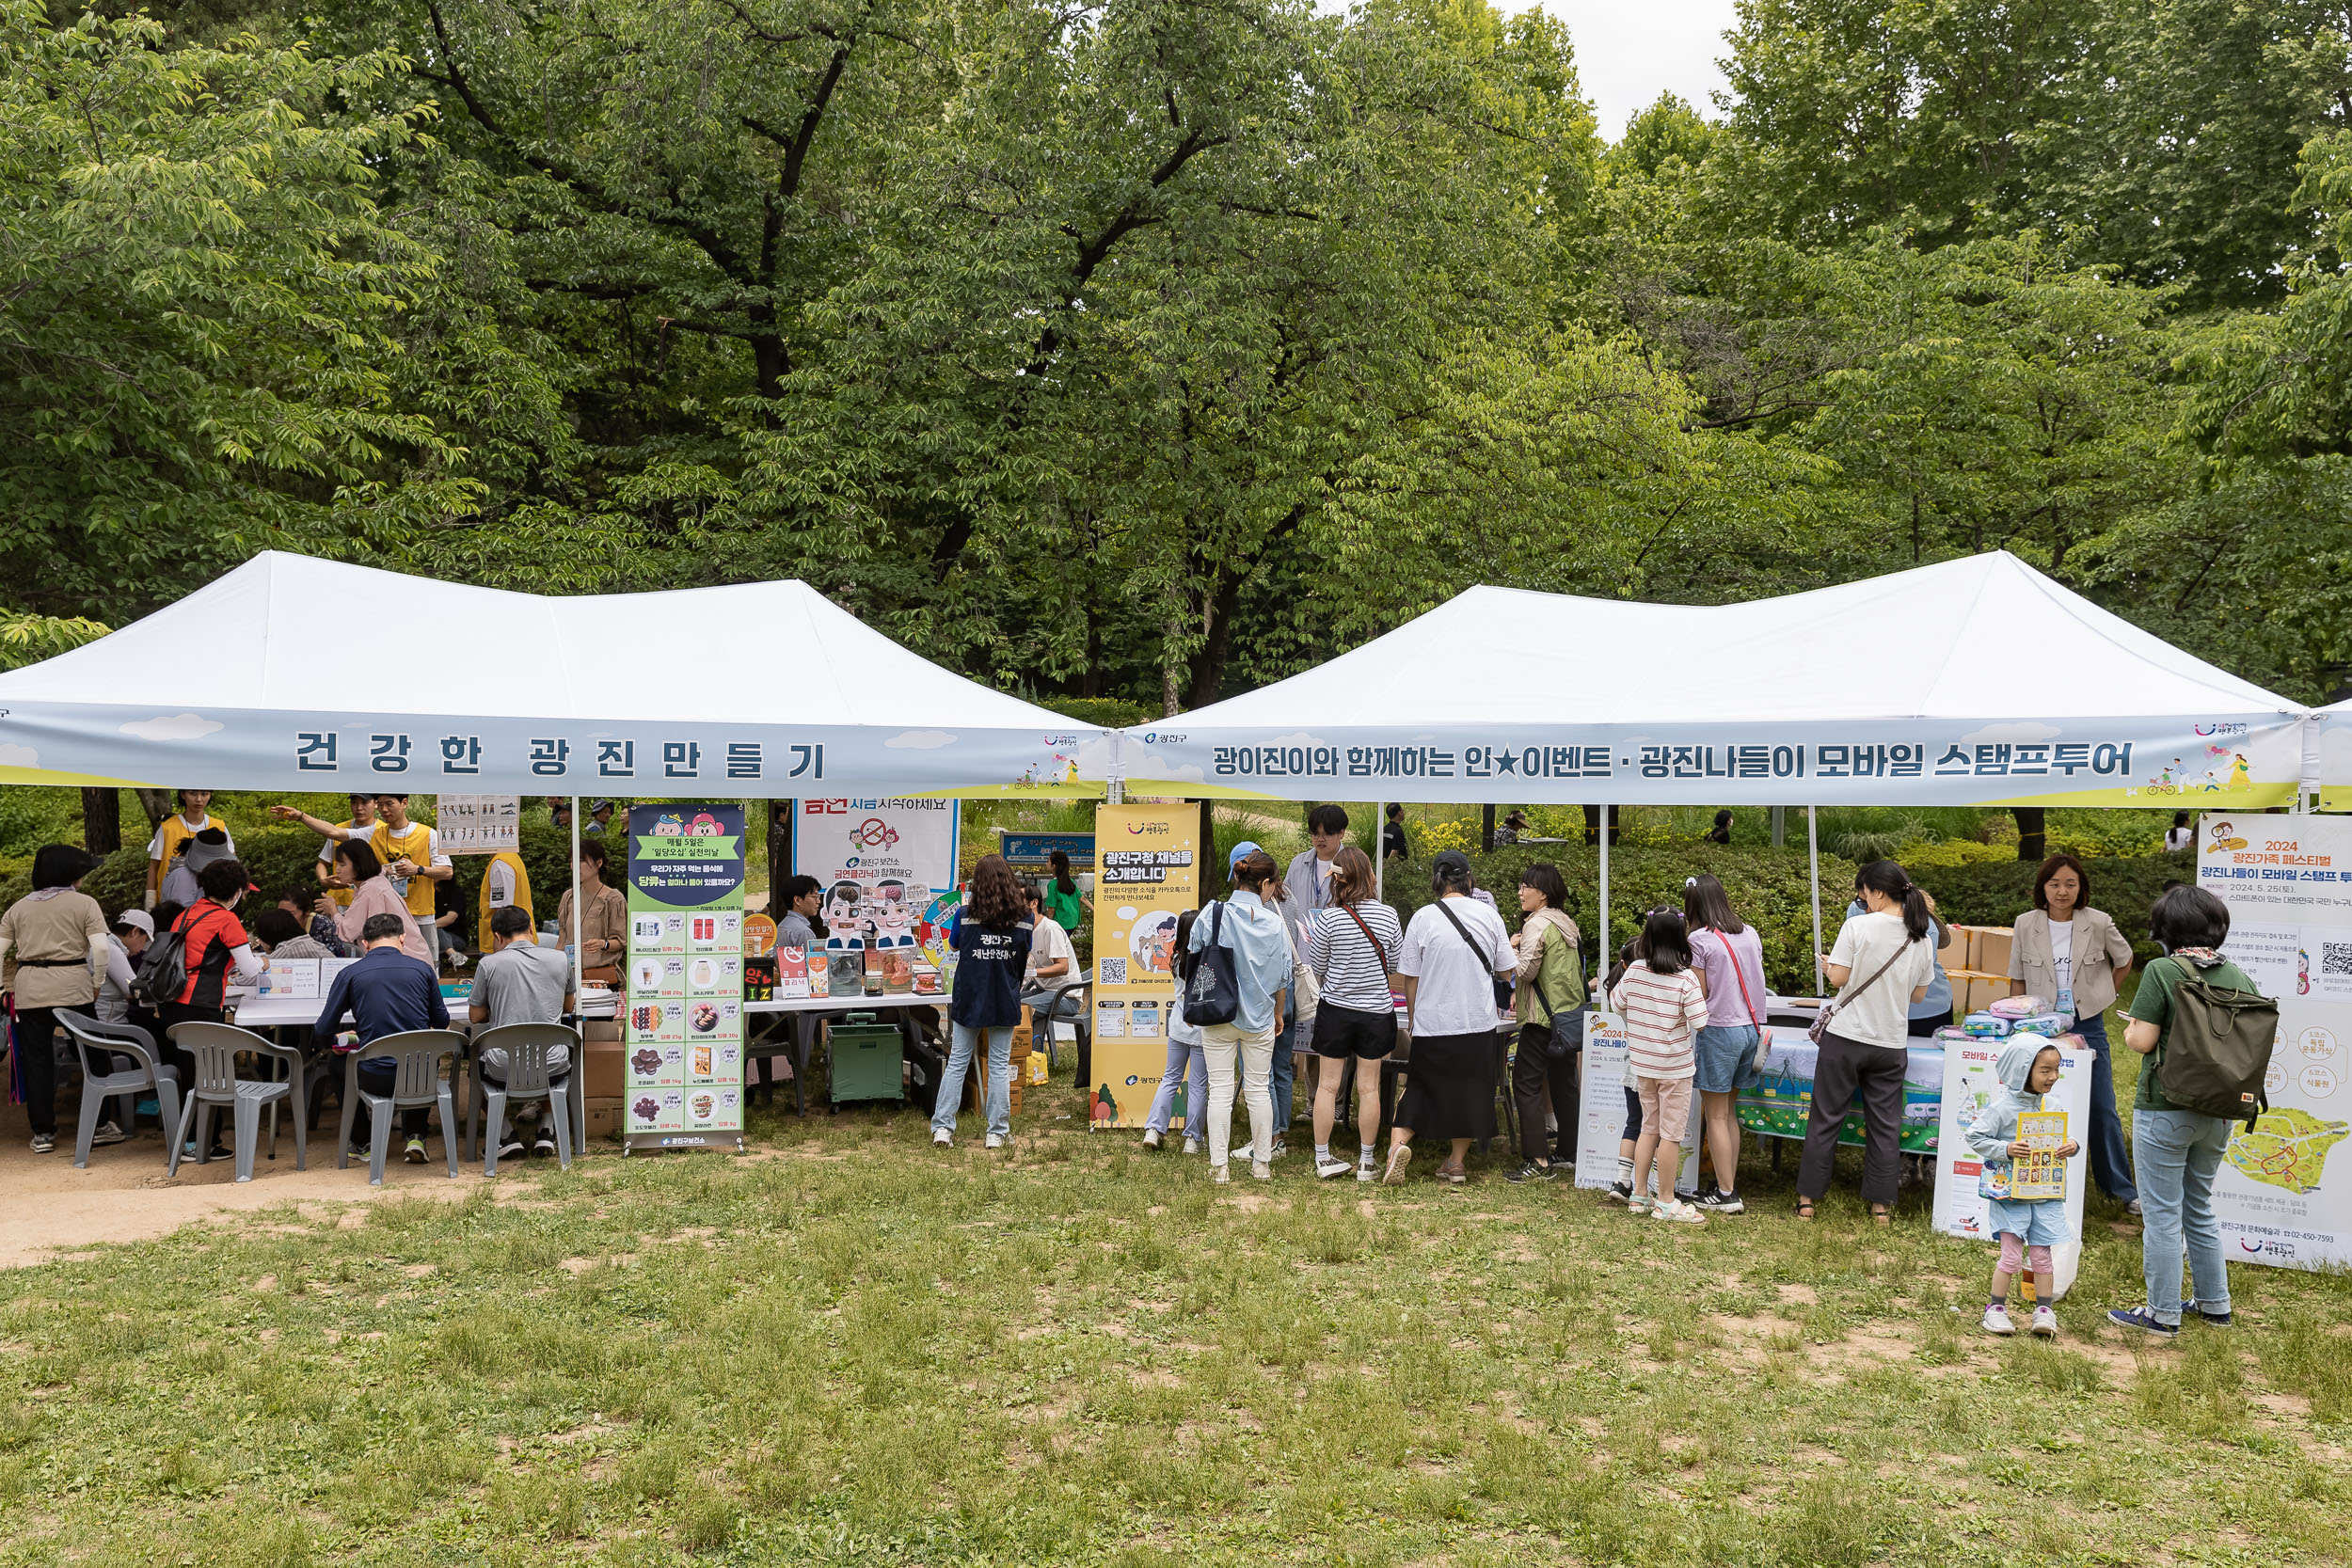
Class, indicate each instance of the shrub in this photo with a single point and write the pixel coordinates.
(1993, 893)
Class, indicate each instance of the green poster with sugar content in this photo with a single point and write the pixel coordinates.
(682, 1033)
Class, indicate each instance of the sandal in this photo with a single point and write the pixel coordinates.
(1805, 1208)
(1882, 1214)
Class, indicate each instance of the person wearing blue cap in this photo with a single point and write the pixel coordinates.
(1250, 925)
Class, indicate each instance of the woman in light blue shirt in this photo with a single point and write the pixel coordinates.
(1248, 925)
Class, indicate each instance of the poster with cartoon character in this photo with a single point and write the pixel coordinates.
(883, 862)
(1969, 1084)
(1146, 876)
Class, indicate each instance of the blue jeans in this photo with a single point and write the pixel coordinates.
(1282, 1074)
(965, 1041)
(1188, 1067)
(2179, 1153)
(2110, 1162)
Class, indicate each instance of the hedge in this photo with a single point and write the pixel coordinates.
(2125, 887)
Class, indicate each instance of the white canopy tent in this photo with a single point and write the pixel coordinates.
(1976, 681)
(292, 672)
(2330, 749)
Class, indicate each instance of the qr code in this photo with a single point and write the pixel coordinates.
(2335, 957)
(1113, 971)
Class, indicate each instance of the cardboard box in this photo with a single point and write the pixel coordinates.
(1992, 947)
(604, 1072)
(601, 1031)
(604, 1116)
(1961, 953)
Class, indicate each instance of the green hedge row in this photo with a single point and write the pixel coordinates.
(1770, 890)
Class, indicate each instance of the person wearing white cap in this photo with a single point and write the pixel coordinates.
(133, 930)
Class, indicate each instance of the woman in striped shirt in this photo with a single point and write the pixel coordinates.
(1663, 1007)
(1352, 946)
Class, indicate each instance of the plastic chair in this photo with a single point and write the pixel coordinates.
(216, 1047)
(1046, 1015)
(527, 1047)
(128, 1040)
(417, 1083)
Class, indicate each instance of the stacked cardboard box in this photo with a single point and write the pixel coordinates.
(1977, 965)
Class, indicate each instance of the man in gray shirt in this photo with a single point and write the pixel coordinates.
(520, 983)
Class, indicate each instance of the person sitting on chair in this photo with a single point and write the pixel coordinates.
(1053, 960)
(520, 983)
(386, 992)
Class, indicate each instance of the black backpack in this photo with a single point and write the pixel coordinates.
(162, 971)
(2217, 1050)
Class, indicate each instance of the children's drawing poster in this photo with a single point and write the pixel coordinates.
(1147, 875)
(2284, 1194)
(682, 1030)
(2040, 1174)
(1969, 1086)
(883, 862)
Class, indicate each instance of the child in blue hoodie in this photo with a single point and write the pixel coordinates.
(2027, 1069)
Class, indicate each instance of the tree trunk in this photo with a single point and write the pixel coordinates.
(1486, 832)
(102, 821)
(779, 855)
(2030, 834)
(1217, 629)
(156, 803)
(1592, 825)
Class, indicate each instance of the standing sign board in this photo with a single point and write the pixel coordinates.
(684, 1033)
(478, 824)
(1969, 1085)
(1602, 1102)
(2284, 1194)
(888, 867)
(1146, 874)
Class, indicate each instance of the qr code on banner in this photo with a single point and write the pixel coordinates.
(2335, 957)
(1114, 972)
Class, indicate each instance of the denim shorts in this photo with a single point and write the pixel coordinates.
(1725, 1052)
(2041, 1223)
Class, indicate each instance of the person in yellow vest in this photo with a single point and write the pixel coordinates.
(504, 885)
(363, 817)
(192, 818)
(411, 852)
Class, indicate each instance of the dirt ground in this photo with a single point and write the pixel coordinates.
(124, 1196)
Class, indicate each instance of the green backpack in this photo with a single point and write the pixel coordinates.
(2218, 1050)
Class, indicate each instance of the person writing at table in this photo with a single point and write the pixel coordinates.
(2073, 953)
(1880, 964)
(371, 894)
(386, 992)
(603, 933)
(410, 852)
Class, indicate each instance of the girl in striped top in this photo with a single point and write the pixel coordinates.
(1663, 1007)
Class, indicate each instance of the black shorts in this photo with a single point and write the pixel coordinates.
(1344, 1032)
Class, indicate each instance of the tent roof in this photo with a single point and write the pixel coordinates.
(295, 634)
(1985, 636)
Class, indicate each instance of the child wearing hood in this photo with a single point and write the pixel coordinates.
(2027, 1071)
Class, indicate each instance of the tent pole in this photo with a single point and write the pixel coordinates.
(1812, 852)
(1379, 852)
(579, 921)
(1606, 950)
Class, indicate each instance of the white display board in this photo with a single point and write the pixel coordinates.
(882, 863)
(478, 824)
(1602, 1102)
(2284, 1195)
(1969, 1082)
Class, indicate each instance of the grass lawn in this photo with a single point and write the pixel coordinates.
(846, 1348)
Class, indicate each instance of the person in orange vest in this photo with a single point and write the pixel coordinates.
(504, 883)
(411, 851)
(192, 818)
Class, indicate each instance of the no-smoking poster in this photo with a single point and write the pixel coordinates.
(2284, 1195)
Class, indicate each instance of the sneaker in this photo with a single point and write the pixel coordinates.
(1219, 1175)
(2140, 1317)
(1192, 1146)
(44, 1142)
(1281, 1147)
(1326, 1167)
(511, 1150)
(359, 1151)
(1620, 1192)
(1678, 1211)
(414, 1152)
(2215, 1320)
(2045, 1323)
(942, 1140)
(544, 1147)
(1532, 1172)
(1717, 1201)
(1997, 1321)
(1262, 1170)
(106, 1132)
(1150, 1137)
(2132, 1208)
(1686, 1194)
(1400, 1159)
(1367, 1171)
(995, 1140)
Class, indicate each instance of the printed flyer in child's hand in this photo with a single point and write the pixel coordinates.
(2039, 1173)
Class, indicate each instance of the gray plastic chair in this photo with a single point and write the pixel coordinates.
(417, 1083)
(1052, 1010)
(527, 1046)
(216, 1047)
(128, 1040)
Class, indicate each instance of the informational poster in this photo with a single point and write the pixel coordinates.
(1603, 1102)
(1147, 875)
(2040, 1174)
(478, 824)
(1969, 1084)
(683, 1023)
(884, 863)
(2284, 1195)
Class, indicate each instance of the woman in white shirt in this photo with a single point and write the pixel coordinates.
(1455, 951)
(1882, 965)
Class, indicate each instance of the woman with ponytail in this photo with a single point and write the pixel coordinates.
(1881, 964)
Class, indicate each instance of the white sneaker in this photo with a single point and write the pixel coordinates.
(2045, 1323)
(1219, 1175)
(995, 1140)
(1996, 1322)
(942, 1140)
(1192, 1146)
(1262, 1170)
(1367, 1171)
(1678, 1211)
(1150, 1137)
(1326, 1167)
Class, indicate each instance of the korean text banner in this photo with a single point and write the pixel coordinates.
(2284, 1192)
(1146, 874)
(2249, 762)
(683, 1017)
(884, 863)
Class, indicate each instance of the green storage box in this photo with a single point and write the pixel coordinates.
(867, 1060)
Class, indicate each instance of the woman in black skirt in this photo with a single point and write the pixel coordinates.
(1455, 951)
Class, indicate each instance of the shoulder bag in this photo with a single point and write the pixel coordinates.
(1567, 1035)
(1306, 991)
(1763, 1032)
(1820, 1025)
(1486, 960)
(1212, 992)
